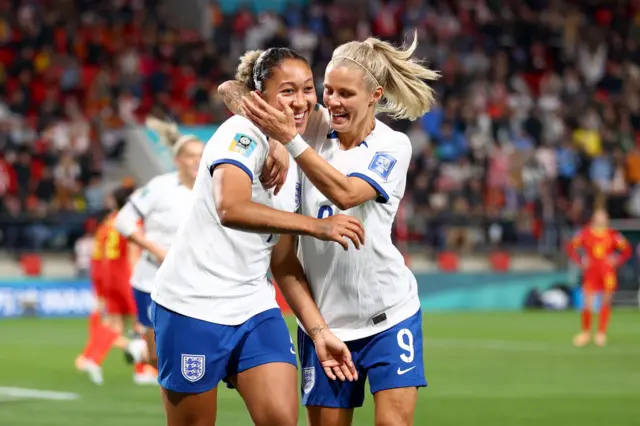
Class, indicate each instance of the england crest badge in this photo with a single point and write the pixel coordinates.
(193, 367)
(382, 164)
(308, 379)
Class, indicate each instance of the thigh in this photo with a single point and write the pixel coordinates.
(263, 369)
(192, 354)
(395, 407)
(320, 391)
(185, 409)
(589, 296)
(325, 416)
(151, 346)
(609, 282)
(270, 394)
(394, 358)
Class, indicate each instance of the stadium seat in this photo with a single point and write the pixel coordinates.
(448, 261)
(500, 261)
(31, 265)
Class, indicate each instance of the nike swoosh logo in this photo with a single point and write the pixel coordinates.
(401, 371)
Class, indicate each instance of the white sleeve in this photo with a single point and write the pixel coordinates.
(239, 145)
(127, 219)
(144, 199)
(383, 168)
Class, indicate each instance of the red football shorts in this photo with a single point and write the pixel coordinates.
(97, 283)
(119, 298)
(600, 281)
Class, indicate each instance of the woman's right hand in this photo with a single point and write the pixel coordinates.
(339, 228)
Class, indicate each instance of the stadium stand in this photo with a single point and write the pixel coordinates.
(539, 111)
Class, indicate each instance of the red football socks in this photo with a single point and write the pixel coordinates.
(102, 344)
(605, 314)
(586, 320)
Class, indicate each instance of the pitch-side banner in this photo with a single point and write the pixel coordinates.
(45, 298)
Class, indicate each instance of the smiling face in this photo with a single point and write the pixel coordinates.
(349, 101)
(292, 80)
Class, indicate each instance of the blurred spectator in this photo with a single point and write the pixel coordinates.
(83, 248)
(539, 102)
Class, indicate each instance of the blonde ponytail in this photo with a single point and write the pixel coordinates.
(403, 77)
(169, 134)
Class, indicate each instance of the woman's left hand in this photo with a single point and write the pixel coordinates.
(277, 124)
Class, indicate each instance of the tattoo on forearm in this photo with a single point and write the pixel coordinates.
(316, 330)
(233, 94)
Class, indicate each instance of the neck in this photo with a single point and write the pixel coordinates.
(186, 180)
(349, 140)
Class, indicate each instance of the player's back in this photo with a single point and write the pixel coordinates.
(351, 288)
(115, 250)
(163, 203)
(212, 272)
(97, 255)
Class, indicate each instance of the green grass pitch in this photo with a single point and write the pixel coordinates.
(494, 369)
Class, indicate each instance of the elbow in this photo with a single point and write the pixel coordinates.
(223, 88)
(345, 201)
(228, 216)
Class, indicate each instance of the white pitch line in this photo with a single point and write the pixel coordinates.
(22, 393)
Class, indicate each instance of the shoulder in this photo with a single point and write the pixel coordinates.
(162, 180)
(385, 139)
(240, 127)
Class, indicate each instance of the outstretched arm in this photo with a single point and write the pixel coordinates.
(126, 223)
(373, 176)
(232, 195)
(289, 276)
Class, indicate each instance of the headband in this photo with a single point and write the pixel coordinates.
(256, 83)
(361, 66)
(181, 142)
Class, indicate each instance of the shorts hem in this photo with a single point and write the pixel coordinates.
(398, 386)
(269, 361)
(182, 389)
(332, 405)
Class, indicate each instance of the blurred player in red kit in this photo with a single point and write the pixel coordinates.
(599, 250)
(96, 271)
(115, 271)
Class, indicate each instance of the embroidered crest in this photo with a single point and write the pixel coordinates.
(193, 367)
(382, 164)
(308, 379)
(243, 144)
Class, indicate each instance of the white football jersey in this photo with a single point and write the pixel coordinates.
(361, 292)
(162, 204)
(211, 272)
